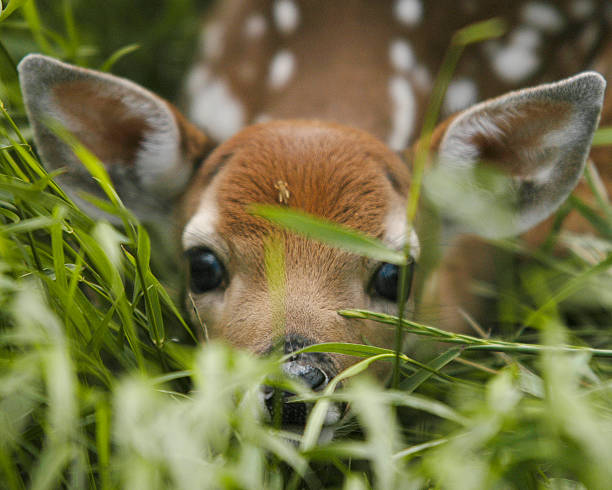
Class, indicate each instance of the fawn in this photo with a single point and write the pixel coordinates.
(314, 105)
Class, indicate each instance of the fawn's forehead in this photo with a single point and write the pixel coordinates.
(341, 174)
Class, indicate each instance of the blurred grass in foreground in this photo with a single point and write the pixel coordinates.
(94, 391)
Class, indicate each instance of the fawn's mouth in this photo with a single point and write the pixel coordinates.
(311, 370)
(282, 407)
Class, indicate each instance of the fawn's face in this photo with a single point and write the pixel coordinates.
(539, 138)
(328, 170)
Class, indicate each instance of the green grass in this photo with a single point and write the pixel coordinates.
(95, 391)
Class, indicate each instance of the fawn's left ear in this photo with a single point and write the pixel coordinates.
(147, 146)
(539, 138)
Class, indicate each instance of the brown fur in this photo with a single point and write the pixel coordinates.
(338, 173)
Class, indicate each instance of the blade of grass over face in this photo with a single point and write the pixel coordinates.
(366, 351)
(316, 419)
(328, 232)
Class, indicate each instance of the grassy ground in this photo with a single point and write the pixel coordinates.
(95, 391)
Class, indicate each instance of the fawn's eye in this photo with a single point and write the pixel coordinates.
(386, 281)
(206, 271)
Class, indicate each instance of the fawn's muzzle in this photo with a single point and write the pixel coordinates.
(314, 370)
(313, 377)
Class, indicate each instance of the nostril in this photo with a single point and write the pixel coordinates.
(312, 376)
(279, 403)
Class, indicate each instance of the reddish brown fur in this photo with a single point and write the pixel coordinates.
(339, 173)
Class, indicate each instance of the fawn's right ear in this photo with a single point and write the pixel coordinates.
(147, 146)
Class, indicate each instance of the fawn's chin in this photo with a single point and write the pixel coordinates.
(294, 416)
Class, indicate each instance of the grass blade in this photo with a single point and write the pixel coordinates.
(328, 232)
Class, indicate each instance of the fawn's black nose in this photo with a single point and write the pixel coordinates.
(294, 414)
(311, 376)
(313, 370)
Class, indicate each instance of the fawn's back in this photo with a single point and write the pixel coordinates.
(371, 65)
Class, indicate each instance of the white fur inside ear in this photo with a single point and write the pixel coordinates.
(457, 148)
(159, 160)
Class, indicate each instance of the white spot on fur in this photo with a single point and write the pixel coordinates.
(196, 78)
(461, 93)
(581, 9)
(518, 59)
(401, 55)
(286, 16)
(404, 112)
(421, 76)
(409, 12)
(214, 108)
(525, 37)
(255, 26)
(263, 117)
(212, 41)
(282, 67)
(543, 16)
(515, 64)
